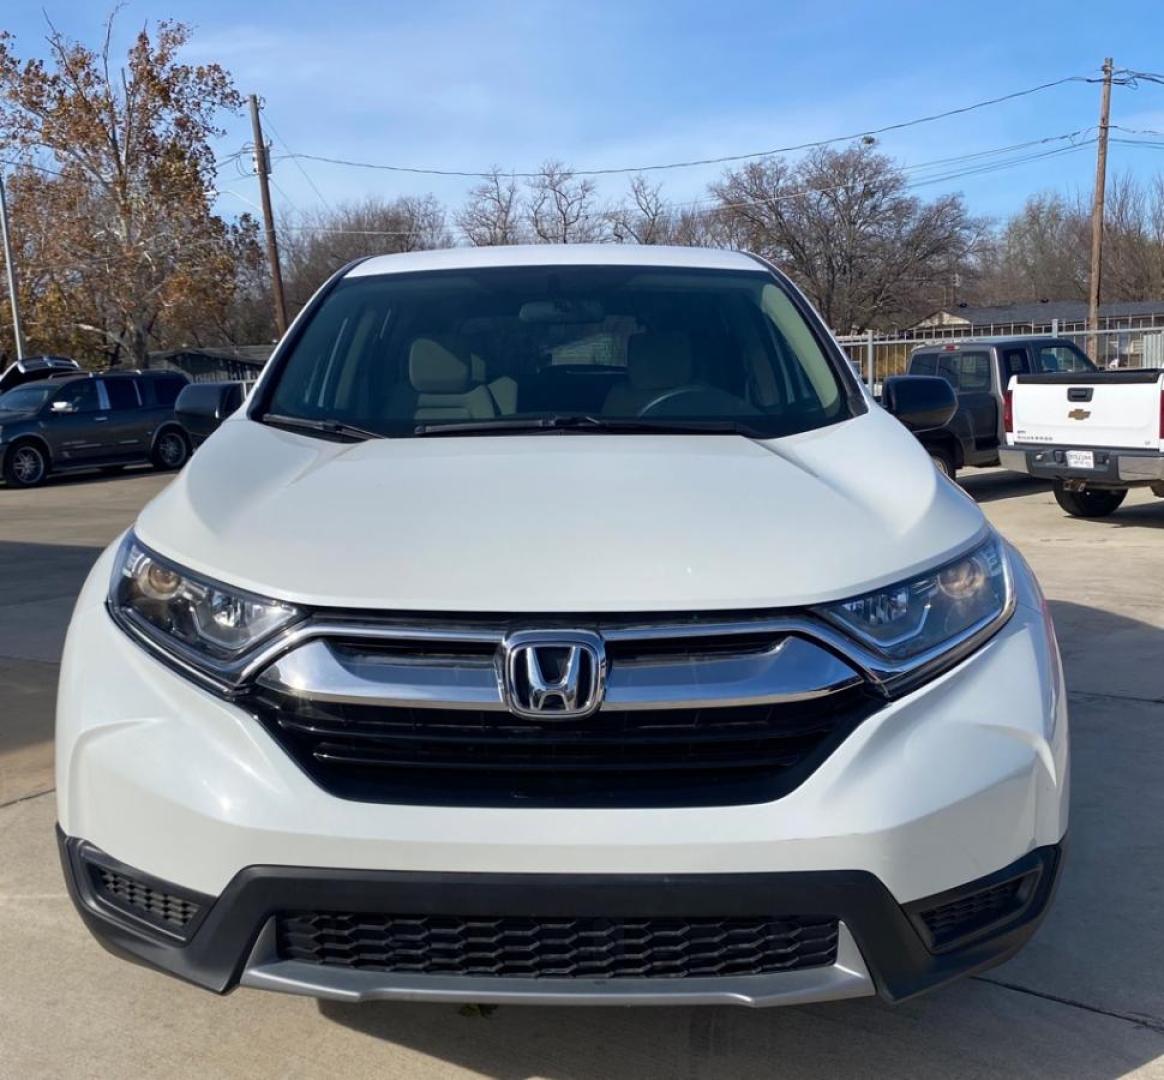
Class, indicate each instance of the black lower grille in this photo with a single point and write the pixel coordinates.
(664, 757)
(967, 916)
(539, 948)
(161, 908)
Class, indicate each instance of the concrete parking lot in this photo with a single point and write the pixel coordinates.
(1085, 999)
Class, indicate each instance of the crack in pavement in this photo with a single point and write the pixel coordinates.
(1115, 697)
(1151, 1023)
(27, 798)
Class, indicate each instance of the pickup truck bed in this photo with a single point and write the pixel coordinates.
(1090, 432)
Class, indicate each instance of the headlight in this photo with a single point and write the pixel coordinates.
(940, 608)
(200, 622)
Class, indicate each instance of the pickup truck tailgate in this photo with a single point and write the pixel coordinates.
(1118, 409)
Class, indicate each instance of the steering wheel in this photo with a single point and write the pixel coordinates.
(670, 395)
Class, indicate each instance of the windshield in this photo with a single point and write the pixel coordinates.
(506, 350)
(25, 398)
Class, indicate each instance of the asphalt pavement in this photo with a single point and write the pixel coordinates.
(1084, 999)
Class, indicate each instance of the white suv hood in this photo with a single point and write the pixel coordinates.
(561, 522)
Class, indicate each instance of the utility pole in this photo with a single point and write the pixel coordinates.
(1097, 211)
(263, 169)
(10, 264)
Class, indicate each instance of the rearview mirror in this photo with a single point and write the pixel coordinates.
(561, 311)
(920, 402)
(201, 407)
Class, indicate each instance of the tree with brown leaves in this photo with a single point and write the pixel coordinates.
(112, 199)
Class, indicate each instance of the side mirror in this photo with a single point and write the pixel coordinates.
(60, 408)
(920, 402)
(201, 407)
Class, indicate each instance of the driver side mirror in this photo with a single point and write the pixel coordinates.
(920, 402)
(202, 407)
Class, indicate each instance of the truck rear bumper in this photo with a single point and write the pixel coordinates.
(1112, 468)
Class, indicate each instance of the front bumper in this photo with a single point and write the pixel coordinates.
(1113, 468)
(951, 784)
(882, 946)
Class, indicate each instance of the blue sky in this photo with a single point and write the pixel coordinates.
(461, 85)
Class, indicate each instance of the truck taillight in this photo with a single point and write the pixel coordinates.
(1008, 412)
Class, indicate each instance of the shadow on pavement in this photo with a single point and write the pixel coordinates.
(31, 572)
(1143, 515)
(38, 584)
(991, 486)
(1084, 999)
(110, 474)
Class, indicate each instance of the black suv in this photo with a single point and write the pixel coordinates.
(68, 422)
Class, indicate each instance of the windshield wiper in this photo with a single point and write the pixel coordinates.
(325, 427)
(617, 424)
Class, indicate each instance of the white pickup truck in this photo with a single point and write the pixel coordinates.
(1095, 434)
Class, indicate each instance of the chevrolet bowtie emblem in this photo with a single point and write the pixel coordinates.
(1078, 414)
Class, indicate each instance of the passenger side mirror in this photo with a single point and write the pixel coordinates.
(62, 407)
(201, 407)
(920, 402)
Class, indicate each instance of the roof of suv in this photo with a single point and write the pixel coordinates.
(980, 342)
(70, 376)
(633, 255)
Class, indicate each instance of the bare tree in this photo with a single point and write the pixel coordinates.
(562, 208)
(842, 224)
(646, 219)
(1133, 254)
(492, 214)
(316, 244)
(1041, 253)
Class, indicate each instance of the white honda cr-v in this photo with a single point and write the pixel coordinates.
(563, 624)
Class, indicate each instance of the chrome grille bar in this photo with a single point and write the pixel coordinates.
(432, 674)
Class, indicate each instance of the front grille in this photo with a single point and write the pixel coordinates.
(654, 757)
(969, 915)
(541, 948)
(161, 908)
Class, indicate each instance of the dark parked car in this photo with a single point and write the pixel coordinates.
(87, 421)
(979, 371)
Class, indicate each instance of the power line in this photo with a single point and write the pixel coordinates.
(624, 170)
(711, 206)
(975, 156)
(286, 198)
(298, 164)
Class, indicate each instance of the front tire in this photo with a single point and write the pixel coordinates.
(171, 451)
(26, 465)
(1089, 504)
(943, 461)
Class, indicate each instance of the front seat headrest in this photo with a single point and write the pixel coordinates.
(434, 368)
(659, 361)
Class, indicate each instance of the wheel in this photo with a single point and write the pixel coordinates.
(1089, 504)
(25, 465)
(171, 450)
(943, 461)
